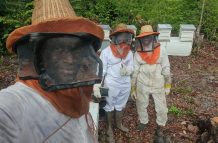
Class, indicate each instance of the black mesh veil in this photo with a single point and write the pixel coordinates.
(145, 44)
(65, 60)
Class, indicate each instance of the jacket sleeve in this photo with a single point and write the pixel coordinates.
(103, 58)
(136, 67)
(165, 64)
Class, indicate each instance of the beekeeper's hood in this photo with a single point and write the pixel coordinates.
(121, 34)
(146, 40)
(58, 48)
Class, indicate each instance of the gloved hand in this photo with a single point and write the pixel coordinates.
(167, 89)
(124, 71)
(96, 90)
(133, 96)
(133, 93)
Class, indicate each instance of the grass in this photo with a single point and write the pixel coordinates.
(175, 110)
(180, 112)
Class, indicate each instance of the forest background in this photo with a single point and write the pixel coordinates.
(17, 13)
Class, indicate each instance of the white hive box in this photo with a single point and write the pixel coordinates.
(186, 32)
(106, 41)
(133, 27)
(177, 48)
(165, 32)
(106, 29)
(163, 44)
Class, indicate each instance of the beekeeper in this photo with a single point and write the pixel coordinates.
(117, 67)
(151, 76)
(57, 68)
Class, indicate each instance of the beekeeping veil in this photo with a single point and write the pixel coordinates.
(122, 34)
(121, 39)
(58, 48)
(145, 41)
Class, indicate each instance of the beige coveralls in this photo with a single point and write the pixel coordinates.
(150, 80)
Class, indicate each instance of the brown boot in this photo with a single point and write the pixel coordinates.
(159, 130)
(141, 127)
(110, 134)
(158, 136)
(119, 124)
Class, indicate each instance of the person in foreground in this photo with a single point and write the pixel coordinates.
(57, 68)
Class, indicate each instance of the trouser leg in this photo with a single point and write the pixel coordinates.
(142, 102)
(160, 108)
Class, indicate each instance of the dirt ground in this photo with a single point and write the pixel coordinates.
(194, 97)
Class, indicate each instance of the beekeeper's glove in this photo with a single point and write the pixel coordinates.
(167, 89)
(96, 90)
(124, 71)
(133, 93)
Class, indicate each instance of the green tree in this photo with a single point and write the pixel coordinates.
(210, 20)
(17, 13)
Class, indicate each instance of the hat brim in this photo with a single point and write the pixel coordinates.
(63, 25)
(121, 31)
(147, 34)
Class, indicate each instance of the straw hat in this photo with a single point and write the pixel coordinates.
(121, 28)
(55, 16)
(147, 30)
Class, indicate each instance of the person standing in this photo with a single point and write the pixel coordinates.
(151, 77)
(117, 67)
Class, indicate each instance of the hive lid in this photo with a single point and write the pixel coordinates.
(164, 26)
(187, 27)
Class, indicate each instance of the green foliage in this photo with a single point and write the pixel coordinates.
(176, 111)
(16, 17)
(17, 13)
(180, 112)
(140, 12)
(210, 23)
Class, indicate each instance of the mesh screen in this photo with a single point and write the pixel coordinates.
(145, 44)
(26, 69)
(122, 38)
(66, 60)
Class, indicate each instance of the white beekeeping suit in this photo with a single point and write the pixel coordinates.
(151, 77)
(27, 117)
(119, 85)
(117, 62)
